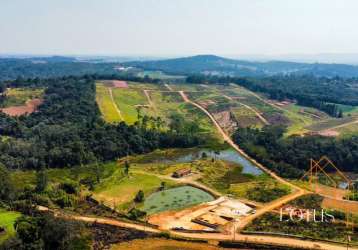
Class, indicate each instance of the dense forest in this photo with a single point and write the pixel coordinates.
(215, 65)
(318, 92)
(289, 157)
(11, 68)
(67, 130)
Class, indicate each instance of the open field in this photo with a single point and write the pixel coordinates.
(20, 96)
(29, 107)
(130, 102)
(231, 106)
(106, 104)
(7, 220)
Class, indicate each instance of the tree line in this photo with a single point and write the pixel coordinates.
(67, 130)
(289, 157)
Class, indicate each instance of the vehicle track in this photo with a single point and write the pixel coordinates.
(114, 104)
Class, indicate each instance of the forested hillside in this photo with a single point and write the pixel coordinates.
(49, 67)
(289, 157)
(67, 130)
(214, 65)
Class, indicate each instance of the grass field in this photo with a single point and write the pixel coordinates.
(7, 220)
(119, 190)
(19, 96)
(105, 103)
(327, 124)
(129, 101)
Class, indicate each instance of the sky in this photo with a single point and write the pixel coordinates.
(178, 27)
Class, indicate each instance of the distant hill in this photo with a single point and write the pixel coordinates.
(215, 65)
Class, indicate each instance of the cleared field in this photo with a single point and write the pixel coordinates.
(149, 86)
(348, 131)
(246, 117)
(331, 123)
(169, 104)
(7, 220)
(163, 244)
(106, 104)
(30, 107)
(20, 96)
(130, 102)
(175, 198)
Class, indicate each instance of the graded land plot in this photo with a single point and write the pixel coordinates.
(22, 101)
(348, 131)
(20, 96)
(147, 86)
(246, 117)
(171, 103)
(7, 221)
(106, 105)
(189, 87)
(130, 102)
(331, 123)
(163, 244)
(119, 190)
(297, 118)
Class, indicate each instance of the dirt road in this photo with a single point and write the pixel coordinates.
(168, 87)
(250, 108)
(114, 104)
(150, 102)
(255, 239)
(236, 147)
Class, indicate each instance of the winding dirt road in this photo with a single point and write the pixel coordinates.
(250, 108)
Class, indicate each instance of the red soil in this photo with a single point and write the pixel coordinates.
(30, 107)
(119, 84)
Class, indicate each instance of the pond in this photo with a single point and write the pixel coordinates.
(227, 155)
(175, 198)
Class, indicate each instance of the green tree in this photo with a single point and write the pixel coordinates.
(6, 186)
(41, 181)
(126, 168)
(139, 197)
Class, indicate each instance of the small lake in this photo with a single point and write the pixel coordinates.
(175, 198)
(227, 155)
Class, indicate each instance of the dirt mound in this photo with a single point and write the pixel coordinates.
(30, 107)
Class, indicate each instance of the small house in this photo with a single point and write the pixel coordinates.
(181, 173)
